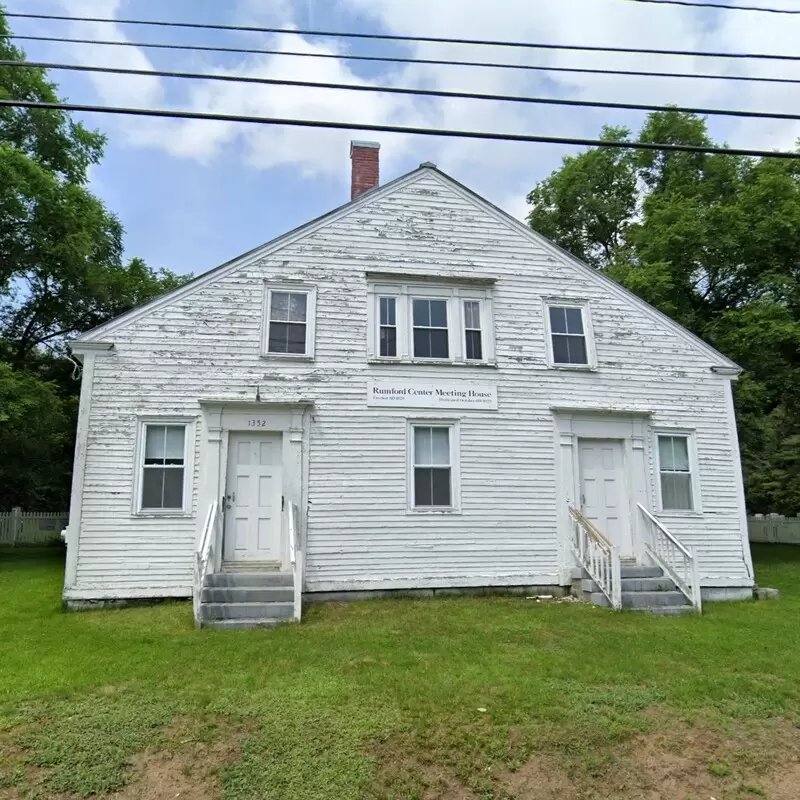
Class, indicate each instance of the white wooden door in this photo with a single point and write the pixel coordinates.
(604, 498)
(253, 495)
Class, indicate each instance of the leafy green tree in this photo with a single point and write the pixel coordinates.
(712, 240)
(61, 272)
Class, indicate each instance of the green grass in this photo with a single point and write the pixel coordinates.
(376, 698)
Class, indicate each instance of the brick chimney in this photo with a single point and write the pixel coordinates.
(366, 173)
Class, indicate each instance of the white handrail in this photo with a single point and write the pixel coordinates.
(204, 556)
(674, 558)
(597, 556)
(296, 557)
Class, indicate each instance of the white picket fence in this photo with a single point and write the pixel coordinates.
(19, 527)
(774, 528)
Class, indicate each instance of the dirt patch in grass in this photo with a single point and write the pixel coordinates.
(156, 776)
(682, 761)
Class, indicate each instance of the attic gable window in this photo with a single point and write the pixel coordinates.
(289, 324)
(430, 322)
(569, 335)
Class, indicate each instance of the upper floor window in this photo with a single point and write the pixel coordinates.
(290, 321)
(570, 342)
(430, 322)
(675, 473)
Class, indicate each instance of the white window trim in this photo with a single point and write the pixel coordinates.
(697, 504)
(588, 332)
(311, 316)
(188, 467)
(454, 427)
(404, 293)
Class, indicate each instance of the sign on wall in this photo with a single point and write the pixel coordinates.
(431, 394)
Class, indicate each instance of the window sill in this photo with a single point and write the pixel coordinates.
(431, 362)
(573, 367)
(285, 357)
(161, 514)
(677, 513)
(432, 511)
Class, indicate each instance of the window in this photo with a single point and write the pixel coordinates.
(430, 322)
(163, 468)
(473, 351)
(675, 473)
(288, 315)
(433, 479)
(430, 328)
(388, 327)
(568, 335)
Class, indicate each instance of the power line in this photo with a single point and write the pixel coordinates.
(402, 90)
(399, 38)
(718, 6)
(400, 60)
(357, 126)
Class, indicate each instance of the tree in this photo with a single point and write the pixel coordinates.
(61, 273)
(712, 240)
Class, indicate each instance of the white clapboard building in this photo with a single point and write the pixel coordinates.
(412, 392)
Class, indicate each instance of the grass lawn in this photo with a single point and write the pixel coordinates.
(448, 698)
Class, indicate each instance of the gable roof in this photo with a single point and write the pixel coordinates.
(517, 226)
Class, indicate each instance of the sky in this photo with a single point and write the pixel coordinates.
(194, 194)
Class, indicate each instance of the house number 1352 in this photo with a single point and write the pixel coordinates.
(256, 423)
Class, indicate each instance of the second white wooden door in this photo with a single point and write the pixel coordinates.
(253, 497)
(604, 498)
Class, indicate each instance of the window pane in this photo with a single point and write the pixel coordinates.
(173, 488)
(440, 487)
(155, 436)
(560, 349)
(438, 313)
(174, 444)
(574, 320)
(279, 306)
(422, 343)
(287, 337)
(152, 486)
(474, 348)
(576, 346)
(422, 313)
(673, 453)
(388, 311)
(296, 341)
(558, 320)
(676, 491)
(422, 445)
(297, 307)
(472, 314)
(440, 446)
(438, 344)
(388, 341)
(431, 487)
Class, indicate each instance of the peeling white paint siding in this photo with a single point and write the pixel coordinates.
(359, 534)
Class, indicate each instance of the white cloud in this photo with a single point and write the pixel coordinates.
(501, 170)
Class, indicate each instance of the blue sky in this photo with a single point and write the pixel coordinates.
(194, 194)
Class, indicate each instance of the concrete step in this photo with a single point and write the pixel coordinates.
(248, 594)
(251, 566)
(652, 599)
(240, 579)
(648, 585)
(251, 611)
(666, 611)
(243, 624)
(641, 572)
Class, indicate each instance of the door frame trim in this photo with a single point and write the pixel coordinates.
(629, 426)
(219, 419)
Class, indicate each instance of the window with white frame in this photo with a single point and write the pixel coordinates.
(430, 322)
(432, 466)
(290, 321)
(675, 473)
(163, 468)
(568, 339)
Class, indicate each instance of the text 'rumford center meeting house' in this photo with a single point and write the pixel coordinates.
(412, 392)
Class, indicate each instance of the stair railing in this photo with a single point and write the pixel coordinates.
(597, 556)
(205, 556)
(673, 557)
(296, 556)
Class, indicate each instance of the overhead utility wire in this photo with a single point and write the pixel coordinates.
(357, 126)
(399, 60)
(401, 90)
(718, 6)
(398, 38)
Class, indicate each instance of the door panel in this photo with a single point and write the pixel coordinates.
(253, 524)
(604, 498)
